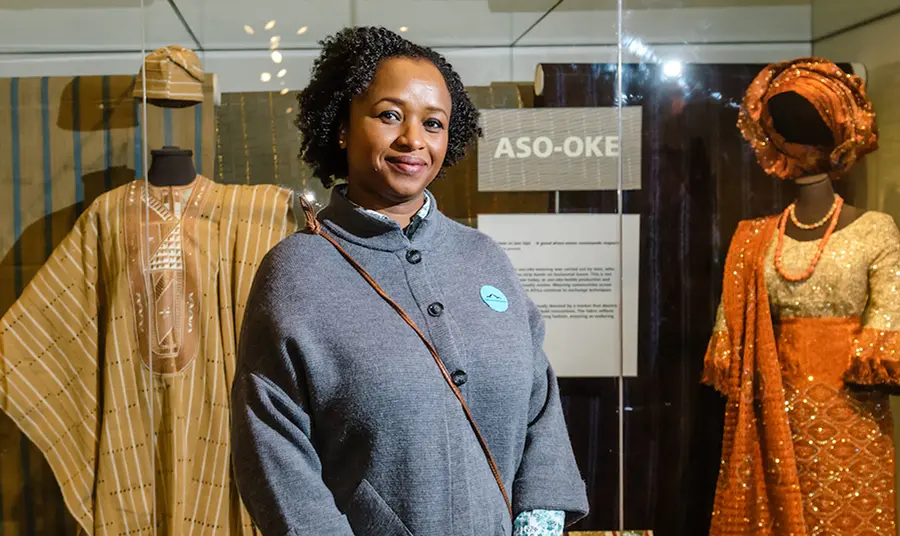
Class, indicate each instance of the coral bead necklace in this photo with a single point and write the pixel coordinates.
(835, 213)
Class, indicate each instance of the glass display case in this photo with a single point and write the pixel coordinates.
(153, 161)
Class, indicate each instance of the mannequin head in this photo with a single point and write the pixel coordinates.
(798, 121)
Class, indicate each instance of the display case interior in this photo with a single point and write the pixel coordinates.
(150, 159)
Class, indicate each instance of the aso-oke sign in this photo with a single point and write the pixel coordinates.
(546, 149)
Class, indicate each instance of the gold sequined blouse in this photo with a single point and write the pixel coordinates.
(859, 259)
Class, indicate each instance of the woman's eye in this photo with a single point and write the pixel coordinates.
(434, 124)
(389, 114)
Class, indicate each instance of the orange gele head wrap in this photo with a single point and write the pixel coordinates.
(840, 99)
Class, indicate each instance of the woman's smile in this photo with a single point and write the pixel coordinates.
(407, 165)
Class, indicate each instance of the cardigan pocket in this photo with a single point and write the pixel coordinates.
(369, 515)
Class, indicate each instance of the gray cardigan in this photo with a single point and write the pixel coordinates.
(342, 423)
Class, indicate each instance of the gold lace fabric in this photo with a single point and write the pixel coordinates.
(803, 452)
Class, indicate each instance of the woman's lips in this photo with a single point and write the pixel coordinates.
(407, 165)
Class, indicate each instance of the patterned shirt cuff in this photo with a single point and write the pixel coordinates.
(539, 523)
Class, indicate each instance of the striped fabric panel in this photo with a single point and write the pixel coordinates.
(259, 142)
(66, 142)
(48, 372)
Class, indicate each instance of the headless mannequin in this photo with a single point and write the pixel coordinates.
(171, 166)
(798, 121)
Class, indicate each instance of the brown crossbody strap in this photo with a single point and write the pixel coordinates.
(314, 227)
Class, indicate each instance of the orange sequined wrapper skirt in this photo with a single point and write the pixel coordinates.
(842, 436)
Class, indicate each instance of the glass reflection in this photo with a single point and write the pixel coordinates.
(256, 57)
(69, 132)
(694, 61)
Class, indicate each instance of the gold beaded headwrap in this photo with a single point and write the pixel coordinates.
(840, 99)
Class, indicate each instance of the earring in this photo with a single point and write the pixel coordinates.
(342, 143)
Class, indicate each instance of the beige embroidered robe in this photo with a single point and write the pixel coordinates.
(118, 358)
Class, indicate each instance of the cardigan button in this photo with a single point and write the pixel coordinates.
(413, 256)
(436, 309)
(459, 378)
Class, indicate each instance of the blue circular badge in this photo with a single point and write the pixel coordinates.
(494, 298)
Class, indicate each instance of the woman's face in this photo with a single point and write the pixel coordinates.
(396, 138)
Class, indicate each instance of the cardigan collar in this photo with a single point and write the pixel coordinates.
(410, 229)
(360, 226)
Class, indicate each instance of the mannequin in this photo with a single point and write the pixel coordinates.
(172, 166)
(798, 121)
(171, 78)
(148, 289)
(809, 312)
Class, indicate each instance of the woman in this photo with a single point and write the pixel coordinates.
(344, 420)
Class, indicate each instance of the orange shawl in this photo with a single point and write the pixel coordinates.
(758, 491)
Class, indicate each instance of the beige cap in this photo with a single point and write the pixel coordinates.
(172, 73)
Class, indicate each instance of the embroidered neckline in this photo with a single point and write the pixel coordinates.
(162, 270)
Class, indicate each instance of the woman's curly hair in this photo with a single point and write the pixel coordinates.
(343, 70)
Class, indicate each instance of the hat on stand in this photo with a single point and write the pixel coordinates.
(171, 74)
